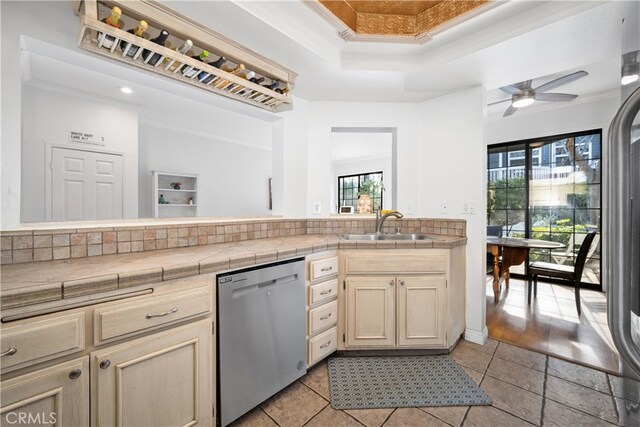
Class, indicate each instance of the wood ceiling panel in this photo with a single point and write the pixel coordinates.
(385, 7)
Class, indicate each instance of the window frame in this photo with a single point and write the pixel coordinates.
(360, 177)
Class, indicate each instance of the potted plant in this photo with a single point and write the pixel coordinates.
(175, 185)
(367, 189)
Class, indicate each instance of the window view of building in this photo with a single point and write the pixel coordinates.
(549, 189)
(350, 187)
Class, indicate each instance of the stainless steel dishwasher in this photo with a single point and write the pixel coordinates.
(261, 335)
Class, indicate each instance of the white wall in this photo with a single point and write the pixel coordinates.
(452, 159)
(358, 167)
(47, 118)
(547, 120)
(233, 178)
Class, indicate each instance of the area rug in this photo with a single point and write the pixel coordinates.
(402, 381)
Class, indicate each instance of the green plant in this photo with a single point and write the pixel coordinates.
(369, 188)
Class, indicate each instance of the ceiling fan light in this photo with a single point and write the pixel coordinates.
(524, 101)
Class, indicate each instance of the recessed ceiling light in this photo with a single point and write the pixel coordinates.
(127, 90)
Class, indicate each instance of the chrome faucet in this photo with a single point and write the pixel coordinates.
(380, 219)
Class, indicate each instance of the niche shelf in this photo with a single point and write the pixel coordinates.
(176, 201)
(181, 28)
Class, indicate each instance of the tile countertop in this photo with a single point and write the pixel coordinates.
(38, 282)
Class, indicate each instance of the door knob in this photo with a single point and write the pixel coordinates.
(75, 374)
(391, 282)
(105, 364)
(401, 282)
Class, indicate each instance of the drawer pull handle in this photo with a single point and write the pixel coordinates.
(327, 292)
(9, 352)
(325, 345)
(105, 364)
(327, 268)
(326, 317)
(75, 374)
(166, 313)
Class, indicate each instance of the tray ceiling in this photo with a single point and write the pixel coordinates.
(397, 21)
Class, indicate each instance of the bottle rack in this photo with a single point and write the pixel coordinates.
(161, 17)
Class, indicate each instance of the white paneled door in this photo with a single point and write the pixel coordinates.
(85, 185)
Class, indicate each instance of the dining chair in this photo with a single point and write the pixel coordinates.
(492, 230)
(560, 257)
(565, 272)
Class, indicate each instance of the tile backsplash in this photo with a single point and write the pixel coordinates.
(44, 245)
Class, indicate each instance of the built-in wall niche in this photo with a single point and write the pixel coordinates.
(363, 164)
(74, 105)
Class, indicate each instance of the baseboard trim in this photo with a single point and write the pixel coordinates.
(477, 337)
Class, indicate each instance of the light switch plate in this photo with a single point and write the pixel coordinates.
(469, 207)
(317, 207)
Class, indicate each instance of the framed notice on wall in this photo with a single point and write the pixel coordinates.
(85, 138)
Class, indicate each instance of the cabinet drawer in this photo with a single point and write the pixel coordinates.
(42, 340)
(322, 345)
(323, 268)
(389, 264)
(322, 317)
(137, 316)
(323, 291)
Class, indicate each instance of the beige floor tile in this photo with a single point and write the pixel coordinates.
(294, 406)
(452, 415)
(255, 418)
(412, 417)
(317, 379)
(521, 356)
(559, 415)
(518, 375)
(488, 348)
(625, 388)
(371, 417)
(582, 398)
(488, 416)
(587, 377)
(519, 402)
(330, 417)
(470, 358)
(475, 375)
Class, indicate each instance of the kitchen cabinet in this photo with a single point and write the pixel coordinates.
(58, 395)
(404, 299)
(322, 307)
(156, 380)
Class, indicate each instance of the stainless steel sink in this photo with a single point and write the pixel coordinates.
(384, 237)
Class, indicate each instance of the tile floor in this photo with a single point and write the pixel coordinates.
(551, 325)
(527, 388)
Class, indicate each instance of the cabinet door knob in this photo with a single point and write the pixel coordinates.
(391, 282)
(75, 374)
(401, 282)
(105, 364)
(9, 352)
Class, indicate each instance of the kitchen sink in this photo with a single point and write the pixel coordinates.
(384, 237)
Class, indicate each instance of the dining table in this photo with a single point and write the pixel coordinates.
(515, 251)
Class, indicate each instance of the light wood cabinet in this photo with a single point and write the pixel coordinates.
(58, 395)
(421, 311)
(410, 299)
(160, 380)
(371, 304)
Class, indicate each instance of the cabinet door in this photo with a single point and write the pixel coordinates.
(56, 396)
(421, 311)
(371, 311)
(160, 380)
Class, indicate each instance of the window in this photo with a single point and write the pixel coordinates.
(550, 191)
(350, 186)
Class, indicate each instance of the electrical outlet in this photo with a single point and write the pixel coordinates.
(469, 208)
(317, 207)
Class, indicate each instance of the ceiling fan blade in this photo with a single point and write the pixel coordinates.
(499, 102)
(510, 111)
(561, 81)
(555, 97)
(511, 90)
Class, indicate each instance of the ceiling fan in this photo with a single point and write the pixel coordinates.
(522, 94)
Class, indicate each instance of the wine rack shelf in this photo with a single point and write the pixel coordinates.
(91, 38)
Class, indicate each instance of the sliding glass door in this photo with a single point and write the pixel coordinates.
(549, 189)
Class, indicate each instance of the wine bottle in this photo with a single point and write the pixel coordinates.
(222, 83)
(155, 57)
(256, 80)
(188, 70)
(217, 63)
(114, 20)
(273, 85)
(282, 91)
(138, 31)
(183, 49)
(247, 76)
